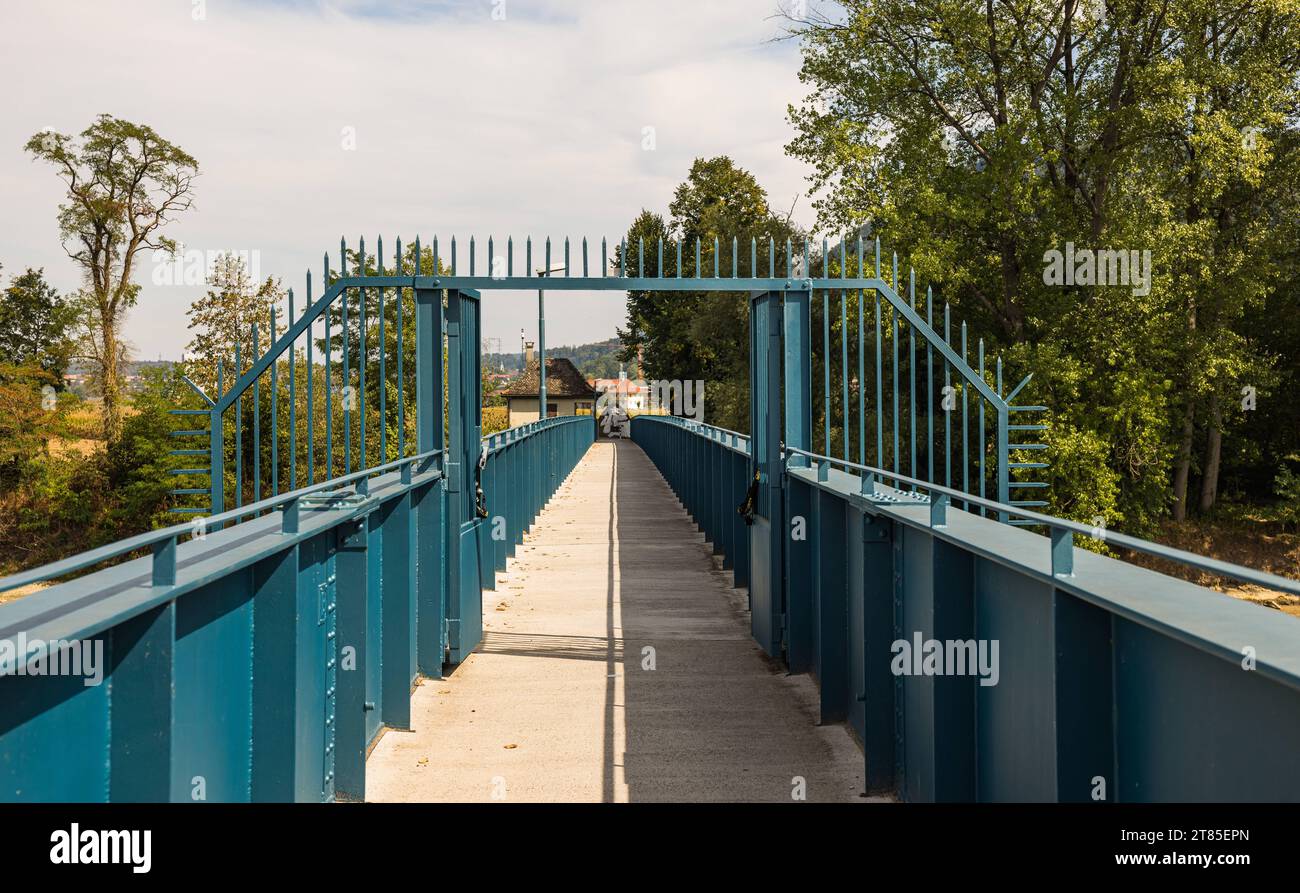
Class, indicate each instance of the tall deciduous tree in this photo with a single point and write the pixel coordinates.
(125, 184)
(981, 134)
(703, 335)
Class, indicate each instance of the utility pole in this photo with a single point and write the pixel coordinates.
(541, 343)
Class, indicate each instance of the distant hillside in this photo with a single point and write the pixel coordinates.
(131, 367)
(132, 371)
(596, 360)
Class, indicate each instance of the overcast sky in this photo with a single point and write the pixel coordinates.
(464, 123)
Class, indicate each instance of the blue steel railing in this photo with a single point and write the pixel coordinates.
(257, 659)
(1116, 683)
(708, 469)
(894, 396)
(518, 477)
(164, 541)
(1061, 530)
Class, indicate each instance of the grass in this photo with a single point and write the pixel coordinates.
(87, 432)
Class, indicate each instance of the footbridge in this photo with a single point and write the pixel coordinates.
(374, 600)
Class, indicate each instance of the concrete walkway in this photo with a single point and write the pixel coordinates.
(616, 665)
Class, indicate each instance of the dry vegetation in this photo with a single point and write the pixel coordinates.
(1251, 542)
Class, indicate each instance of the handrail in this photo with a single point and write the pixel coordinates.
(1061, 564)
(164, 535)
(529, 429)
(692, 424)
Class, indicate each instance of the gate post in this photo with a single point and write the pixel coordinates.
(798, 375)
(431, 558)
(346, 779)
(464, 586)
(779, 361)
(1004, 459)
(216, 462)
(797, 425)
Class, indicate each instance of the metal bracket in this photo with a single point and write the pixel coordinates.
(877, 530)
(335, 500)
(323, 598)
(901, 497)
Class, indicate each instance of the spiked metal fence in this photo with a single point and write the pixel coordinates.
(347, 362)
(927, 405)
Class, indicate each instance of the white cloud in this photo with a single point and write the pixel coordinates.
(464, 125)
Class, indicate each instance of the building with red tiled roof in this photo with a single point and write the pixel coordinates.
(567, 392)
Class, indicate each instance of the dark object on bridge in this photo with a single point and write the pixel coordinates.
(746, 507)
(480, 499)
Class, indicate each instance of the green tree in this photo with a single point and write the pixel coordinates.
(125, 183)
(224, 318)
(137, 465)
(31, 415)
(981, 135)
(702, 335)
(36, 326)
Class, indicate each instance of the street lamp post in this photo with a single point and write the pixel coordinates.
(541, 343)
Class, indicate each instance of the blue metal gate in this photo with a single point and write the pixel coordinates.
(464, 527)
